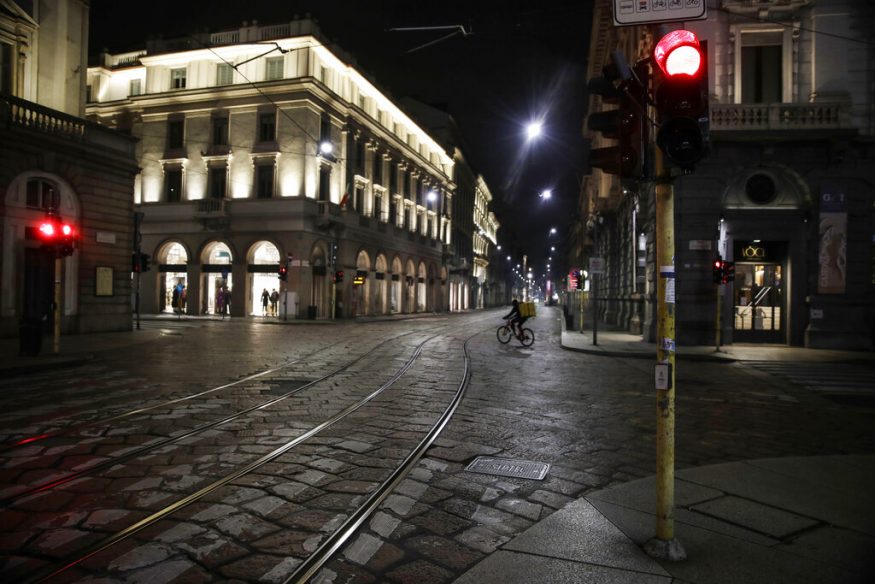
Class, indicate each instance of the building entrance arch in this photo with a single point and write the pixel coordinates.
(263, 262)
(173, 259)
(216, 260)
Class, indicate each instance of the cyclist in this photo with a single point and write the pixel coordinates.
(516, 324)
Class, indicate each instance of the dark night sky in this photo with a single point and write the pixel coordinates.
(523, 59)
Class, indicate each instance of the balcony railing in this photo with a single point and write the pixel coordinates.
(780, 116)
(17, 112)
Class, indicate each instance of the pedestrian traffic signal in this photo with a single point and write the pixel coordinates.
(283, 272)
(717, 271)
(682, 98)
(618, 85)
(140, 262)
(57, 236)
(338, 276)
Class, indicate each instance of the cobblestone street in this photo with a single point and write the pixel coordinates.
(218, 451)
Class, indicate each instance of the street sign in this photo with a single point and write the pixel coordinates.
(596, 265)
(631, 12)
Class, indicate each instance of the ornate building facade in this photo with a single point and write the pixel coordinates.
(786, 192)
(263, 147)
(52, 159)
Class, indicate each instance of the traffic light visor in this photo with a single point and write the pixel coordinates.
(678, 53)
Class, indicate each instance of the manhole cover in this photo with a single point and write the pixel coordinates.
(521, 469)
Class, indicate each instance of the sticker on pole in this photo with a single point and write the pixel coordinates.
(630, 12)
(662, 374)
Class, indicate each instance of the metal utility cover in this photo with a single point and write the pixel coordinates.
(521, 469)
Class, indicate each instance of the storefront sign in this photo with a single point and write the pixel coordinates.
(700, 245)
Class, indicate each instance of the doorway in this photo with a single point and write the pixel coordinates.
(759, 303)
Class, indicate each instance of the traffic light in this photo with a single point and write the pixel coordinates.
(338, 276)
(717, 270)
(145, 262)
(57, 236)
(682, 98)
(579, 280)
(728, 272)
(618, 85)
(283, 272)
(135, 262)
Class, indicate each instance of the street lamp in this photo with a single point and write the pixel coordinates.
(546, 194)
(533, 130)
(552, 231)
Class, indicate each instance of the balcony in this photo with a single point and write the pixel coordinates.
(22, 114)
(777, 117)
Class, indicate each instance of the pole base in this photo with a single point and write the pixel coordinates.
(661, 549)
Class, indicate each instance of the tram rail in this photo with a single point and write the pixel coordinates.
(314, 561)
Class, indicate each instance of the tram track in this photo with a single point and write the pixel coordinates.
(137, 452)
(323, 553)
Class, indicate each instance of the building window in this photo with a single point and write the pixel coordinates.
(177, 78)
(173, 185)
(324, 127)
(267, 127)
(136, 87)
(762, 70)
(378, 169)
(393, 211)
(6, 68)
(264, 181)
(324, 184)
(360, 157)
(359, 199)
(274, 68)
(218, 182)
(378, 205)
(41, 195)
(175, 134)
(393, 178)
(219, 134)
(408, 217)
(224, 74)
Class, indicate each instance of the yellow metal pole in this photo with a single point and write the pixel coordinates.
(664, 545)
(56, 344)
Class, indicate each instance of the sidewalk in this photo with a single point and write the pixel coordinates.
(793, 520)
(613, 343)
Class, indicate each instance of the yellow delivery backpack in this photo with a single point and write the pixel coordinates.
(527, 309)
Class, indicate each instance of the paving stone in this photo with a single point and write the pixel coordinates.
(346, 486)
(245, 526)
(252, 567)
(141, 556)
(482, 539)
(264, 506)
(520, 507)
(213, 512)
(445, 551)
(419, 572)
(356, 446)
(362, 549)
(383, 524)
(752, 515)
(399, 504)
(437, 521)
(554, 500)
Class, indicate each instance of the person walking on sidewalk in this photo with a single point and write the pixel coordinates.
(226, 302)
(274, 302)
(265, 300)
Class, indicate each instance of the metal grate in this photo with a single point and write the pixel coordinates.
(521, 469)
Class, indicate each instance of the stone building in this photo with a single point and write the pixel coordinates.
(786, 191)
(51, 158)
(264, 147)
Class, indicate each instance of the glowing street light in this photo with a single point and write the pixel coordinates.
(552, 231)
(326, 147)
(533, 130)
(546, 194)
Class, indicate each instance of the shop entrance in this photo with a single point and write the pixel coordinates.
(759, 301)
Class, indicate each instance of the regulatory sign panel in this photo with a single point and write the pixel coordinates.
(629, 12)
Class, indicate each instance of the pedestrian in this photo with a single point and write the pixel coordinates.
(265, 300)
(226, 307)
(274, 301)
(220, 302)
(183, 297)
(174, 299)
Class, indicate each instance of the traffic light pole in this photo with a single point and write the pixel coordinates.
(664, 545)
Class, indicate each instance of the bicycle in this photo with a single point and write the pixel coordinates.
(505, 333)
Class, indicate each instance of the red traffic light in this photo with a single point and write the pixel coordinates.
(678, 53)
